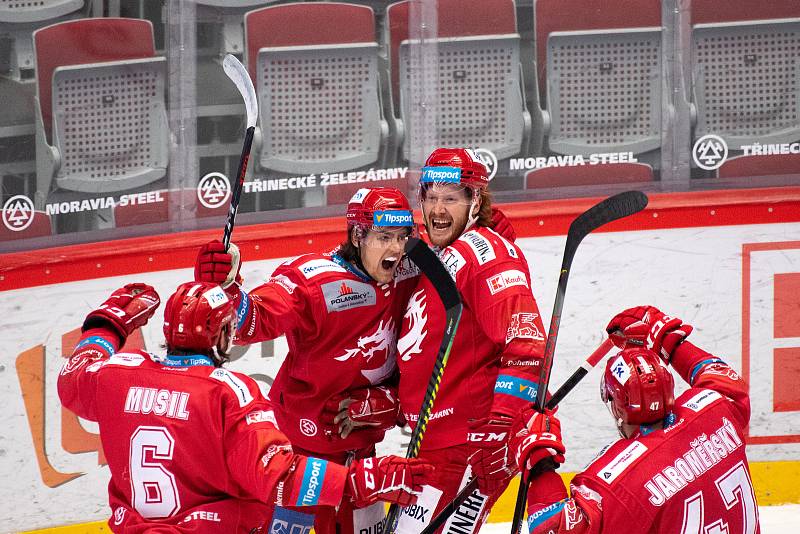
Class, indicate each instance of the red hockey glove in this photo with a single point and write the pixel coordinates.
(490, 460)
(502, 225)
(127, 309)
(373, 407)
(386, 478)
(648, 326)
(534, 437)
(214, 264)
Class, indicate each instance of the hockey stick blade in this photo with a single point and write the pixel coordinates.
(590, 362)
(613, 208)
(430, 265)
(238, 74)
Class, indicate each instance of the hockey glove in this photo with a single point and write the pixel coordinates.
(127, 309)
(217, 266)
(648, 326)
(386, 478)
(502, 225)
(534, 437)
(372, 407)
(490, 459)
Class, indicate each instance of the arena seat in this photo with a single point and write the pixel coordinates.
(229, 15)
(599, 66)
(609, 173)
(101, 122)
(479, 86)
(315, 68)
(744, 68)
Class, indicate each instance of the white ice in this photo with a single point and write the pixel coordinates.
(774, 520)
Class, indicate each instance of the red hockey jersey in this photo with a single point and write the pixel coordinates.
(188, 444)
(691, 477)
(341, 328)
(498, 348)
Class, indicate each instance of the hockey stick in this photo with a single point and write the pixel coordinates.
(238, 74)
(427, 261)
(613, 208)
(590, 362)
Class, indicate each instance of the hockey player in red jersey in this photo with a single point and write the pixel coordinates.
(335, 394)
(191, 446)
(496, 354)
(680, 466)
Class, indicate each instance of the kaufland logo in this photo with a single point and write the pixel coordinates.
(441, 174)
(18, 213)
(393, 218)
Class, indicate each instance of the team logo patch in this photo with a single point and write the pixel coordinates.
(359, 196)
(523, 326)
(506, 279)
(348, 294)
(620, 370)
(18, 212)
(215, 297)
(623, 461)
(710, 152)
(213, 190)
(308, 427)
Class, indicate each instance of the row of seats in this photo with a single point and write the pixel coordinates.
(101, 108)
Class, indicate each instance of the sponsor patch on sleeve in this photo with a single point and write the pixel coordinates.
(261, 416)
(481, 247)
(702, 399)
(236, 384)
(620, 370)
(317, 266)
(516, 387)
(313, 477)
(506, 279)
(622, 462)
(453, 261)
(283, 281)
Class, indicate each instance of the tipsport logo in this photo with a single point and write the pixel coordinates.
(213, 190)
(18, 213)
(393, 218)
(441, 174)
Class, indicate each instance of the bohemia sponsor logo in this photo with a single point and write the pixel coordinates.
(345, 295)
(704, 453)
(18, 213)
(506, 279)
(313, 477)
(393, 218)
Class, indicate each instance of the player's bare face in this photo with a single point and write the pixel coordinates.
(381, 251)
(445, 208)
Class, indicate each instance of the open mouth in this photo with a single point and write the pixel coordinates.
(441, 224)
(389, 263)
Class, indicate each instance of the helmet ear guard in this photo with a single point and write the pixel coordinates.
(637, 387)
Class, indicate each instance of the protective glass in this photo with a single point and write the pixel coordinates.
(383, 238)
(448, 195)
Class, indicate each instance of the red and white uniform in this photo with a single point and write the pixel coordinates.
(495, 358)
(341, 328)
(690, 477)
(191, 447)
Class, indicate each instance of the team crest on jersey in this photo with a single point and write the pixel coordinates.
(348, 294)
(380, 343)
(410, 343)
(523, 326)
(481, 247)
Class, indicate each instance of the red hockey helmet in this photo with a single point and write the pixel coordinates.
(379, 206)
(196, 317)
(637, 387)
(457, 166)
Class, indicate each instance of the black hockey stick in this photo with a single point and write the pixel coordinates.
(593, 359)
(427, 261)
(613, 208)
(239, 76)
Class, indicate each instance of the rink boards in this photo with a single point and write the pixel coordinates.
(727, 264)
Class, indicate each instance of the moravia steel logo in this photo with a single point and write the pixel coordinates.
(441, 174)
(340, 296)
(393, 218)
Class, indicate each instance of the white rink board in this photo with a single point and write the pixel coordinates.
(694, 273)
